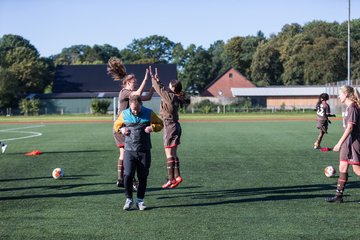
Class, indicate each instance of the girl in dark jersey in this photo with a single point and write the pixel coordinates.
(349, 143)
(118, 72)
(323, 114)
(171, 100)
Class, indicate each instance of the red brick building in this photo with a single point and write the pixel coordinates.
(222, 85)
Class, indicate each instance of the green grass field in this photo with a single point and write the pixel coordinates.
(242, 180)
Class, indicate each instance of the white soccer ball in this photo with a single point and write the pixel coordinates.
(329, 171)
(57, 173)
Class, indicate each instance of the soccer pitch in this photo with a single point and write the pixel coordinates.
(242, 180)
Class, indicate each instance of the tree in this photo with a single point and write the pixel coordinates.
(266, 67)
(215, 50)
(318, 29)
(292, 59)
(22, 69)
(8, 88)
(325, 61)
(249, 47)
(197, 68)
(72, 55)
(232, 54)
(153, 49)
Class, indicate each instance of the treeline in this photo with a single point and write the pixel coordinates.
(313, 54)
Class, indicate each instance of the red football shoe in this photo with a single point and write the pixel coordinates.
(169, 183)
(178, 181)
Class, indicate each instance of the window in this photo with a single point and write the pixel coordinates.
(230, 75)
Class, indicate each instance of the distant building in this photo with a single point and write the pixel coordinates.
(222, 85)
(76, 85)
(282, 96)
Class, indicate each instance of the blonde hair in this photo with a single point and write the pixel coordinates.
(351, 93)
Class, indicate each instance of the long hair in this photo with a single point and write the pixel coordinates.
(351, 93)
(322, 97)
(117, 70)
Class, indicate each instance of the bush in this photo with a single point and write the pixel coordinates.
(31, 106)
(99, 106)
(205, 106)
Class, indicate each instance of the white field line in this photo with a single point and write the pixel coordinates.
(15, 130)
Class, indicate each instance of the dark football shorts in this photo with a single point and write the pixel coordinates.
(350, 152)
(172, 133)
(119, 139)
(323, 125)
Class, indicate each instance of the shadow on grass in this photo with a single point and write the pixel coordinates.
(246, 195)
(196, 198)
(46, 177)
(55, 152)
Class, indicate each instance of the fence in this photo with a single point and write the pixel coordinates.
(333, 90)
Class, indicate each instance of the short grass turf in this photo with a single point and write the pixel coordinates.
(242, 180)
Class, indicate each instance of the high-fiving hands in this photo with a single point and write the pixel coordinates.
(154, 76)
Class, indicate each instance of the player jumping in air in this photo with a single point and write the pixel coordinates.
(118, 72)
(171, 100)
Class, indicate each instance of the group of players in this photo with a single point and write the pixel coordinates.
(348, 145)
(129, 118)
(135, 123)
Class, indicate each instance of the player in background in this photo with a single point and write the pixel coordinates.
(3, 146)
(349, 143)
(136, 123)
(171, 100)
(323, 114)
(118, 72)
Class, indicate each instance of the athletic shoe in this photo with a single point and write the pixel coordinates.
(178, 180)
(128, 204)
(135, 185)
(336, 199)
(120, 183)
(140, 205)
(169, 183)
(316, 145)
(3, 148)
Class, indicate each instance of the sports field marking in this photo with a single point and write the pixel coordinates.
(16, 130)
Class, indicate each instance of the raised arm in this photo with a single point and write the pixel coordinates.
(149, 95)
(159, 87)
(140, 90)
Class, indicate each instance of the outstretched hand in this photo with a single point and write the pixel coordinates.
(336, 148)
(146, 74)
(154, 76)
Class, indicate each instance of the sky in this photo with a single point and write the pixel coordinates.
(51, 25)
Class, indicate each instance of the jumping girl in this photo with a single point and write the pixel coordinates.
(171, 100)
(118, 72)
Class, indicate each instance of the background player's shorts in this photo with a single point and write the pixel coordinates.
(323, 125)
(119, 139)
(172, 133)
